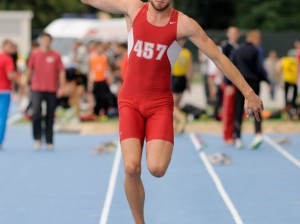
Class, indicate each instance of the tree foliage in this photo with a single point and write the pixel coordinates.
(45, 11)
(271, 15)
(210, 14)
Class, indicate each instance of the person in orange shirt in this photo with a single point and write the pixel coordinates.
(99, 70)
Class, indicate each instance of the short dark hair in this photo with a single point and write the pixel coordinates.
(7, 41)
(45, 34)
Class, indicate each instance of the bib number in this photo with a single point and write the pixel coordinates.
(147, 50)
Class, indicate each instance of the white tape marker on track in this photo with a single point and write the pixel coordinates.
(217, 181)
(282, 151)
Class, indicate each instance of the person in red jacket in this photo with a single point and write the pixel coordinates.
(146, 101)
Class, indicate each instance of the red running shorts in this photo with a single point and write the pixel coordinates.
(146, 119)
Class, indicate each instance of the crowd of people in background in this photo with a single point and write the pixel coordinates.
(248, 57)
(88, 85)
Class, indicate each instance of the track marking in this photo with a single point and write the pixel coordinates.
(13, 119)
(111, 186)
(216, 180)
(282, 151)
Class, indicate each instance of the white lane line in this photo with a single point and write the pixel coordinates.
(11, 120)
(111, 187)
(282, 151)
(217, 181)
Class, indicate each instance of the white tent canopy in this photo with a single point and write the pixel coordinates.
(105, 30)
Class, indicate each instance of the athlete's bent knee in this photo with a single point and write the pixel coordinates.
(157, 171)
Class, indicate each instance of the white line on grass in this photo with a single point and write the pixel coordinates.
(282, 151)
(111, 186)
(216, 180)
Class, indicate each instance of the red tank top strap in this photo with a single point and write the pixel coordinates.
(174, 16)
(142, 14)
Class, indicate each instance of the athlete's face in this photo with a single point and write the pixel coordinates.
(160, 5)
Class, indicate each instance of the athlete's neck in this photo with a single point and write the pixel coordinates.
(157, 17)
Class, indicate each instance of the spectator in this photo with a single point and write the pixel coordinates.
(247, 59)
(233, 35)
(98, 80)
(297, 45)
(79, 56)
(287, 66)
(28, 111)
(203, 61)
(7, 76)
(215, 85)
(182, 75)
(47, 75)
(270, 66)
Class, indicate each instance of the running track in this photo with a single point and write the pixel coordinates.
(71, 186)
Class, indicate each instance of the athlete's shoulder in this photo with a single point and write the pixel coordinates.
(184, 19)
(188, 27)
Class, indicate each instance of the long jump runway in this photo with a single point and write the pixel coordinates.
(72, 186)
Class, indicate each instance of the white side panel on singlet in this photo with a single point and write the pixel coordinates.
(173, 52)
(130, 41)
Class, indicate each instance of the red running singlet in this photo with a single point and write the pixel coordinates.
(145, 100)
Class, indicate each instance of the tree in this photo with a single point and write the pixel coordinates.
(210, 14)
(271, 15)
(46, 11)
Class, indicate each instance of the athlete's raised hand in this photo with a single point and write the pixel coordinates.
(126, 7)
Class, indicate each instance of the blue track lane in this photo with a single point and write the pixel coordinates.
(64, 186)
(69, 185)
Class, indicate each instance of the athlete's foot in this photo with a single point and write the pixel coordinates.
(37, 145)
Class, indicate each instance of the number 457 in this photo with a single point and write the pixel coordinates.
(146, 50)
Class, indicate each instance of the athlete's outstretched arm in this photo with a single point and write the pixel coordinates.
(188, 28)
(113, 6)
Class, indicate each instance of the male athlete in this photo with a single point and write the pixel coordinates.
(145, 100)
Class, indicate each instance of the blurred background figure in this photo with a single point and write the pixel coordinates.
(215, 81)
(233, 35)
(97, 82)
(79, 58)
(297, 46)
(247, 59)
(47, 74)
(287, 68)
(28, 110)
(270, 64)
(203, 62)
(8, 75)
(182, 75)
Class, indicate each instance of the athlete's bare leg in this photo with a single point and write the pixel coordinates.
(159, 153)
(134, 189)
